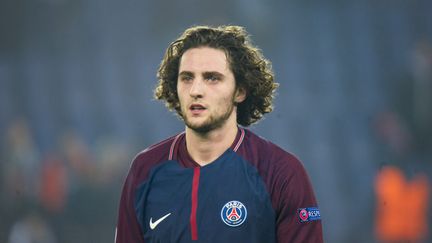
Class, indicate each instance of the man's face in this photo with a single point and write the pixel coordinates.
(206, 89)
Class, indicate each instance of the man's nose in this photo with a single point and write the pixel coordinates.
(197, 88)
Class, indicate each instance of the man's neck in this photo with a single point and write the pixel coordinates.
(207, 147)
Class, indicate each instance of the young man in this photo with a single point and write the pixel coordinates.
(216, 181)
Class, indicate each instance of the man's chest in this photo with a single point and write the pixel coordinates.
(224, 203)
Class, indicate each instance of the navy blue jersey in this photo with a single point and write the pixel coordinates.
(254, 192)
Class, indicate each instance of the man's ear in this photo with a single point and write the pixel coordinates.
(240, 95)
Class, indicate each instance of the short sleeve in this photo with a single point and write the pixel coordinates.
(298, 217)
(128, 229)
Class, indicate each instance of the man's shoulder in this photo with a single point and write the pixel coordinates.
(265, 150)
(263, 145)
(153, 154)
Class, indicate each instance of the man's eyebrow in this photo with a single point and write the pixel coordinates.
(213, 73)
(205, 74)
(186, 73)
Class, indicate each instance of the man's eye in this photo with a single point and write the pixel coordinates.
(213, 78)
(186, 78)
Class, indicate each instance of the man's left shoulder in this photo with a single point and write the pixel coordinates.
(268, 149)
(269, 157)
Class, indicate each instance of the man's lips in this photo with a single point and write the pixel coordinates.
(197, 109)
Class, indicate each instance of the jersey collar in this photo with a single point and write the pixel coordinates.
(178, 150)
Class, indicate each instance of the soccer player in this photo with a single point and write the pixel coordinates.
(217, 181)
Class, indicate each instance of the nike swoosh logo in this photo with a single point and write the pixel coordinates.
(154, 224)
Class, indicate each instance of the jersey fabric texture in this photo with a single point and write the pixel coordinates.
(252, 193)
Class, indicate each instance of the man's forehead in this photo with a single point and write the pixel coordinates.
(204, 59)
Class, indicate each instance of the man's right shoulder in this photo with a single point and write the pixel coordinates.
(152, 156)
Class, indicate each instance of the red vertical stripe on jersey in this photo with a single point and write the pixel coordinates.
(193, 223)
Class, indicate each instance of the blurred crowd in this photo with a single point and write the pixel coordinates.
(59, 195)
(403, 183)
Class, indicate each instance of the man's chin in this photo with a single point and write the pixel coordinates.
(206, 125)
(200, 128)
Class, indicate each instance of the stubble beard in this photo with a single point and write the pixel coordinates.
(212, 123)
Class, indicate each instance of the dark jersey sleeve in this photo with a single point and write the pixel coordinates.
(298, 217)
(128, 229)
(297, 214)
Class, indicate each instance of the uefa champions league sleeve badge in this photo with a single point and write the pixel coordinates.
(309, 214)
(234, 213)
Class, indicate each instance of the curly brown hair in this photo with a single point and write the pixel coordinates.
(251, 70)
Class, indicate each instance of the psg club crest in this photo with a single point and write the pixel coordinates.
(233, 213)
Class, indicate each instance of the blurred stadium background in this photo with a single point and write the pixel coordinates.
(76, 81)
